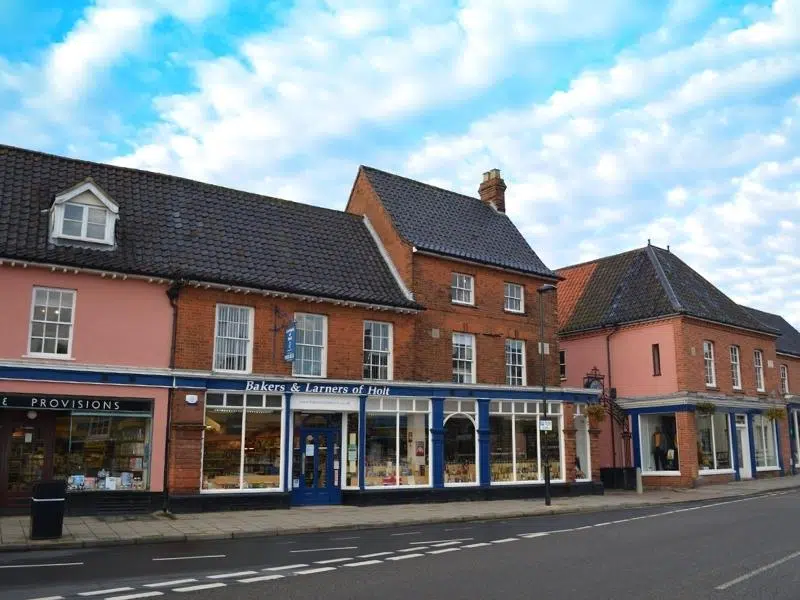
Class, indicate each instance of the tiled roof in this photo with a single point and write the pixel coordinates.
(455, 225)
(789, 340)
(642, 284)
(177, 228)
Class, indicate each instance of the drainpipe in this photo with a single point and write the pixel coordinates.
(173, 292)
(608, 359)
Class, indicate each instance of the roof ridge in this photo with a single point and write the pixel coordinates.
(430, 185)
(663, 279)
(598, 260)
(169, 176)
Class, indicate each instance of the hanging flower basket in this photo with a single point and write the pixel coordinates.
(596, 412)
(775, 413)
(705, 408)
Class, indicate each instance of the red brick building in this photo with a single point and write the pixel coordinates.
(693, 378)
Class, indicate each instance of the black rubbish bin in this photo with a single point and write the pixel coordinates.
(47, 509)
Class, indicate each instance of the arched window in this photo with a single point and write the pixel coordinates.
(460, 442)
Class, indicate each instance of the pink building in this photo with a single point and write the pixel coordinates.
(85, 344)
(691, 378)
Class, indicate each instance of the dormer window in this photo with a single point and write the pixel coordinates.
(84, 213)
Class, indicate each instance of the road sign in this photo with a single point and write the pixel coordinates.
(289, 342)
(545, 425)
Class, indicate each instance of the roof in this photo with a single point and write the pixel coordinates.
(789, 340)
(454, 225)
(642, 284)
(178, 228)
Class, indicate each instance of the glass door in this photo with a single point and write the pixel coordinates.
(316, 464)
(26, 456)
(743, 449)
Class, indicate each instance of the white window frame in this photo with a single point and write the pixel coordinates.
(708, 364)
(391, 406)
(519, 350)
(760, 431)
(250, 323)
(716, 470)
(473, 361)
(103, 203)
(758, 366)
(508, 296)
(324, 359)
(468, 409)
(562, 364)
(530, 410)
(461, 282)
(54, 355)
(580, 411)
(389, 353)
(784, 376)
(84, 235)
(244, 410)
(736, 367)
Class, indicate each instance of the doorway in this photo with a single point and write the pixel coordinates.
(26, 455)
(743, 439)
(316, 463)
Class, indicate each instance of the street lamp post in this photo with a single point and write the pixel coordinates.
(545, 289)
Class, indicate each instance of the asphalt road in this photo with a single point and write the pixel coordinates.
(746, 548)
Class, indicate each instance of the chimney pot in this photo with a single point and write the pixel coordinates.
(493, 190)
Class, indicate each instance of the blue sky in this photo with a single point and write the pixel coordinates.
(676, 121)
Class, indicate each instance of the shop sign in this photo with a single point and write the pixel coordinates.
(290, 342)
(46, 402)
(545, 425)
(318, 388)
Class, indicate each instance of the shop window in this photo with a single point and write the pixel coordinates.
(377, 350)
(514, 298)
(515, 362)
(396, 442)
(242, 442)
(708, 361)
(462, 289)
(659, 442)
(463, 358)
(102, 452)
(351, 435)
(233, 339)
(310, 352)
(460, 441)
(583, 468)
(713, 442)
(766, 442)
(52, 316)
(758, 363)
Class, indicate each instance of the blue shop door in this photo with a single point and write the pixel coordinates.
(316, 467)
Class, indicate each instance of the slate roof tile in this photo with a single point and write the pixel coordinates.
(788, 341)
(174, 227)
(452, 224)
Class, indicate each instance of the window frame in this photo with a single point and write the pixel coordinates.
(758, 368)
(465, 408)
(324, 355)
(389, 353)
(643, 446)
(655, 350)
(508, 285)
(783, 374)
(454, 287)
(759, 429)
(709, 359)
(250, 341)
(523, 357)
(51, 355)
(562, 364)
(473, 360)
(716, 470)
(736, 367)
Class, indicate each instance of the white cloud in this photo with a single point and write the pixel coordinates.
(677, 196)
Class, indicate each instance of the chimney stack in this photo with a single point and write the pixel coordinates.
(493, 190)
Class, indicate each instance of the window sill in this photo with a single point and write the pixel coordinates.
(520, 313)
(714, 388)
(368, 488)
(467, 304)
(767, 469)
(716, 472)
(49, 356)
(661, 473)
(314, 376)
(243, 491)
(528, 482)
(738, 391)
(466, 484)
(230, 372)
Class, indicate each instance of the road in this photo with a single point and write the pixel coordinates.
(744, 548)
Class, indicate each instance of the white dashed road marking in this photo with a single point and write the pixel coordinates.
(312, 571)
(363, 563)
(534, 535)
(324, 549)
(478, 545)
(69, 564)
(105, 592)
(260, 578)
(374, 554)
(200, 588)
(135, 596)
(404, 556)
(331, 561)
(758, 571)
(443, 550)
(505, 540)
(286, 567)
(50, 598)
(443, 544)
(190, 557)
(232, 575)
(414, 549)
(406, 533)
(169, 583)
(434, 542)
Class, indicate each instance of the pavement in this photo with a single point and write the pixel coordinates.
(87, 532)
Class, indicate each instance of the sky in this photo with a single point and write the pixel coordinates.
(613, 122)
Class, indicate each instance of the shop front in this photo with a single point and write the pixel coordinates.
(294, 443)
(97, 444)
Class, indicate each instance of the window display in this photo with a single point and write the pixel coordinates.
(583, 469)
(396, 442)
(460, 442)
(659, 442)
(713, 442)
(102, 452)
(242, 442)
(765, 442)
(351, 437)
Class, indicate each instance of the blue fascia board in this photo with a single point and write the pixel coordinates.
(649, 410)
(85, 376)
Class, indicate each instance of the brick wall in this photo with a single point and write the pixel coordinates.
(690, 335)
(185, 443)
(793, 365)
(487, 320)
(196, 321)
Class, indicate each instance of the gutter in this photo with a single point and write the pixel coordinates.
(173, 293)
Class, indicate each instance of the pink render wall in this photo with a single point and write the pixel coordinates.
(116, 322)
(631, 370)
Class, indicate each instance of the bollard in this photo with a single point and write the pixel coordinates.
(639, 486)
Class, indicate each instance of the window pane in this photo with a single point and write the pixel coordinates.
(233, 338)
(255, 400)
(722, 441)
(462, 357)
(659, 442)
(351, 475)
(459, 450)
(501, 450)
(73, 212)
(414, 449)
(96, 232)
(222, 447)
(97, 216)
(214, 399)
(381, 458)
(527, 444)
(262, 449)
(551, 448)
(310, 344)
(582, 448)
(705, 443)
